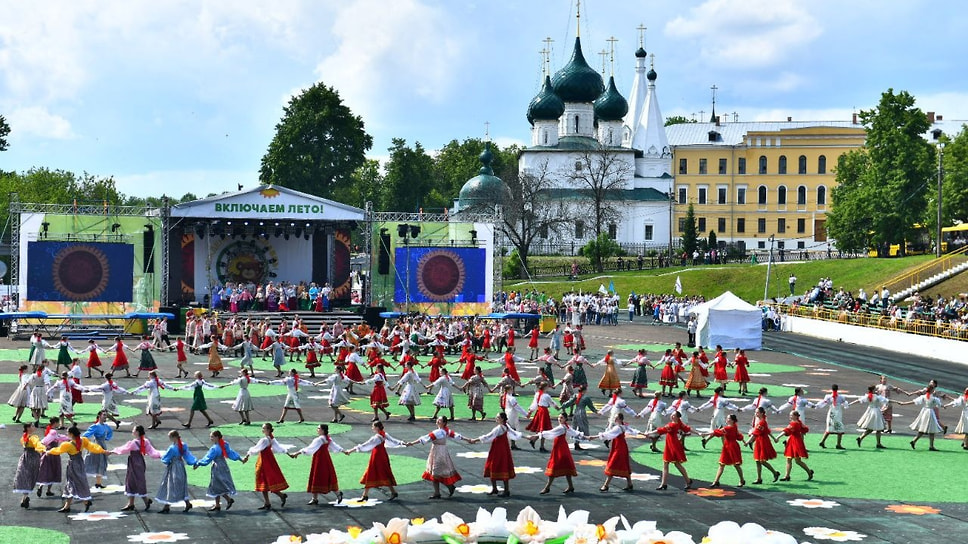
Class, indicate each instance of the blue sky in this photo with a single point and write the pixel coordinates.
(178, 96)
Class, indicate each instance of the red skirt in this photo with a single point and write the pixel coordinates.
(266, 342)
(512, 371)
(378, 397)
(731, 454)
(311, 360)
(763, 448)
(741, 375)
(569, 340)
(618, 458)
(541, 421)
(719, 373)
(468, 369)
(93, 361)
(533, 343)
(486, 343)
(378, 473)
(673, 451)
(181, 358)
(120, 359)
(668, 376)
(76, 393)
(560, 463)
(434, 373)
(353, 372)
(322, 474)
(795, 448)
(499, 464)
(268, 475)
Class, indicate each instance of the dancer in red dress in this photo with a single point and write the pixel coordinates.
(668, 379)
(618, 453)
(268, 476)
(440, 465)
(93, 361)
(322, 474)
(469, 358)
(533, 342)
(378, 472)
(741, 376)
(378, 395)
(509, 360)
(731, 455)
(719, 368)
(560, 463)
(673, 453)
(499, 464)
(763, 452)
(539, 414)
(181, 358)
(120, 358)
(796, 448)
(436, 363)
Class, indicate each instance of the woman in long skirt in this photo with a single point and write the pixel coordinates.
(378, 393)
(580, 405)
(198, 387)
(668, 379)
(243, 401)
(50, 471)
(292, 395)
(742, 375)
(560, 463)
(146, 361)
(135, 484)
(378, 472)
(445, 393)
(221, 484)
(673, 453)
(19, 397)
(76, 486)
(763, 451)
(174, 482)
(962, 427)
(618, 453)
(97, 464)
(796, 448)
(610, 379)
(322, 473)
(410, 395)
(732, 454)
(108, 405)
(120, 358)
(37, 399)
(476, 387)
(499, 465)
(28, 467)
(540, 414)
(440, 465)
(872, 421)
(640, 380)
(154, 385)
(180, 358)
(268, 476)
(926, 423)
(66, 387)
(696, 381)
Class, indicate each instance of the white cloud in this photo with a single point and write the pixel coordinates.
(37, 121)
(409, 51)
(176, 183)
(746, 33)
(951, 105)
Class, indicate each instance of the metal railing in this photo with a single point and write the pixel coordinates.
(920, 273)
(878, 320)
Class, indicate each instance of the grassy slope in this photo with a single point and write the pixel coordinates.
(745, 280)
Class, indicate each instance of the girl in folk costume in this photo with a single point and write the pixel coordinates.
(437, 362)
(696, 381)
(294, 341)
(797, 402)
(94, 463)
(533, 341)
(885, 389)
(180, 358)
(174, 482)
(292, 395)
(499, 464)
(312, 359)
(146, 361)
(567, 389)
(555, 335)
(469, 358)
(679, 355)
(243, 400)
(674, 452)
(539, 380)
(50, 472)
(580, 403)
(445, 393)
(38, 352)
(64, 350)
(610, 379)
(28, 467)
(440, 466)
(322, 474)
(512, 409)
(578, 362)
(221, 484)
(19, 397)
(109, 407)
(378, 393)
(509, 363)
(719, 404)
(486, 341)
(731, 455)
(37, 399)
(719, 368)
(378, 472)
(353, 363)
(668, 379)
(135, 484)
(763, 451)
(742, 375)
(926, 423)
(548, 360)
(640, 379)
(509, 337)
(278, 350)
(268, 337)
(683, 407)
(835, 416)
(579, 338)
(154, 385)
(93, 361)
(796, 448)
(506, 380)
(568, 339)
(214, 359)
(759, 402)
(120, 358)
(338, 396)
(75, 374)
(410, 395)
(654, 410)
(76, 486)
(872, 421)
(615, 406)
(541, 420)
(618, 453)
(560, 463)
(268, 475)
(66, 387)
(198, 387)
(962, 426)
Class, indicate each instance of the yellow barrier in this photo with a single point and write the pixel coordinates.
(913, 326)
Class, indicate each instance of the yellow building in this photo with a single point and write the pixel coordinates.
(750, 181)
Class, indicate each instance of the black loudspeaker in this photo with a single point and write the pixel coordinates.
(372, 317)
(148, 258)
(383, 262)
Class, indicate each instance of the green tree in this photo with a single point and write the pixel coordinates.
(600, 249)
(955, 185)
(712, 241)
(4, 132)
(850, 219)
(677, 120)
(458, 162)
(408, 181)
(364, 186)
(599, 175)
(690, 235)
(318, 144)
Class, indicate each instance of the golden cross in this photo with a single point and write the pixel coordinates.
(641, 28)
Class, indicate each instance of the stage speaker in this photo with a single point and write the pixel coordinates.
(148, 258)
(383, 262)
(372, 317)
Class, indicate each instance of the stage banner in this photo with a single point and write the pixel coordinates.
(436, 274)
(341, 264)
(256, 260)
(188, 264)
(80, 272)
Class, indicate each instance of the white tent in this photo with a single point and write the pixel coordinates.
(729, 321)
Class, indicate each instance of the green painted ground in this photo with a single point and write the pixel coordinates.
(426, 408)
(82, 412)
(255, 389)
(289, 429)
(897, 473)
(32, 534)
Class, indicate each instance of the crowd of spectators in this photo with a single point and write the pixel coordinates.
(272, 297)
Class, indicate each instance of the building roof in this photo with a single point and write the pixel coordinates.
(611, 105)
(546, 106)
(577, 81)
(735, 133)
(268, 202)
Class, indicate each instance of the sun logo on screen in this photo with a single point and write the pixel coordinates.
(80, 272)
(440, 275)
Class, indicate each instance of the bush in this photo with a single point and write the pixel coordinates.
(512, 265)
(600, 249)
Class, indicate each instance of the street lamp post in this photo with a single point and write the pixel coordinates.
(769, 268)
(937, 251)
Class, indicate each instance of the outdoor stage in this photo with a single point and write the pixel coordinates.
(862, 495)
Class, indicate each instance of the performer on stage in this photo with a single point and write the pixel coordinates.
(65, 386)
(440, 465)
(135, 484)
(18, 399)
(796, 448)
(64, 350)
(668, 379)
(221, 485)
(268, 475)
(509, 363)
(797, 402)
(378, 472)
(499, 464)
(731, 454)
(560, 463)
(174, 482)
(697, 375)
(322, 474)
(580, 405)
(654, 410)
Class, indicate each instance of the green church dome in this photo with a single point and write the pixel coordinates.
(546, 106)
(577, 81)
(611, 105)
(485, 187)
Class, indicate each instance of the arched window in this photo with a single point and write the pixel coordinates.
(781, 195)
(802, 195)
(545, 134)
(762, 164)
(782, 166)
(576, 124)
(761, 195)
(822, 165)
(821, 196)
(802, 165)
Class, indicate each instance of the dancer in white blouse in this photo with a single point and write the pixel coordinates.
(926, 423)
(410, 395)
(872, 421)
(835, 415)
(962, 427)
(759, 402)
(445, 393)
(108, 389)
(797, 402)
(292, 384)
(338, 395)
(154, 385)
(243, 401)
(719, 404)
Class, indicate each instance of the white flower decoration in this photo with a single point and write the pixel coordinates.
(826, 533)
(672, 537)
(477, 489)
(163, 536)
(630, 535)
(458, 528)
(353, 503)
(645, 477)
(730, 532)
(111, 488)
(473, 454)
(529, 527)
(813, 503)
(100, 515)
(394, 532)
(527, 470)
(493, 524)
(425, 530)
(603, 533)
